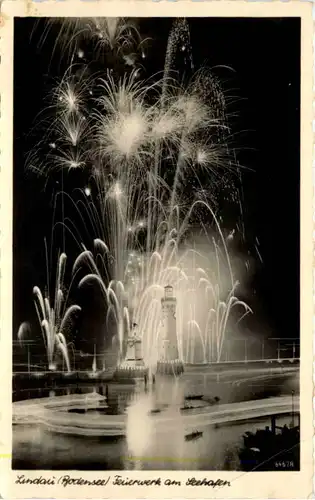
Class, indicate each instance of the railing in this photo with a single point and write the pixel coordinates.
(247, 361)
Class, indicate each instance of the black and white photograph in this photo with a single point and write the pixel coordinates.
(156, 244)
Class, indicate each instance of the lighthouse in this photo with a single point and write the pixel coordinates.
(169, 362)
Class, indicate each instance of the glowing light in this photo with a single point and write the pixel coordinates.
(74, 164)
(71, 100)
(231, 235)
(143, 142)
(69, 94)
(117, 190)
(23, 331)
(130, 59)
(138, 414)
(202, 157)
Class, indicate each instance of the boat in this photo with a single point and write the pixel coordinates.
(187, 407)
(260, 448)
(155, 410)
(193, 436)
(194, 397)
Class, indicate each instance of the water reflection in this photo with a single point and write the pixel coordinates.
(155, 431)
(148, 437)
(139, 430)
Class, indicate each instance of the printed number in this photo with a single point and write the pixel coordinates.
(284, 464)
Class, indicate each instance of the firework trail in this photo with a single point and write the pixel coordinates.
(143, 142)
(55, 318)
(119, 36)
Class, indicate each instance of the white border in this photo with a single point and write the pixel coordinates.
(250, 485)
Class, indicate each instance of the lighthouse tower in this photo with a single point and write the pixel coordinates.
(169, 362)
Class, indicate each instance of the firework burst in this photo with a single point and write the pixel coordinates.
(101, 35)
(55, 317)
(144, 142)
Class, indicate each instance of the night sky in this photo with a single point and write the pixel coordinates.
(265, 57)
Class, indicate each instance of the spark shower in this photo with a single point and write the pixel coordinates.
(155, 152)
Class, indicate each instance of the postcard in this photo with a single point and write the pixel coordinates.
(156, 249)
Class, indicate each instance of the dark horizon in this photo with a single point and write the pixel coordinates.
(264, 55)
